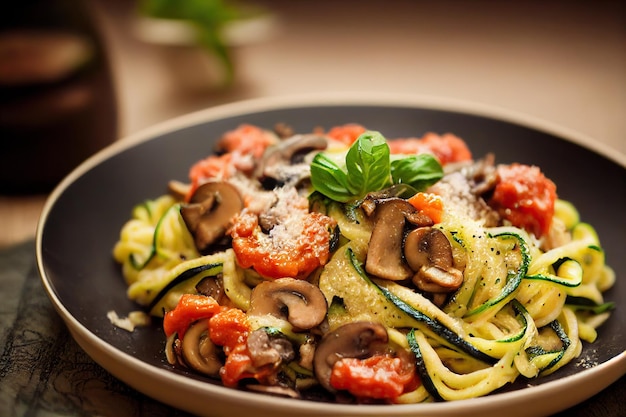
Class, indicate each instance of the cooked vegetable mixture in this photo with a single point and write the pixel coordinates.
(335, 265)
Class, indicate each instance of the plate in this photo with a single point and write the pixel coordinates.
(83, 216)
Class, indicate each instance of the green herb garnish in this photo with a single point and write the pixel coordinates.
(368, 166)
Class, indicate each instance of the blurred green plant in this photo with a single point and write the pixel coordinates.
(208, 18)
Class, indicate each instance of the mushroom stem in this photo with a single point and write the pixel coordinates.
(437, 280)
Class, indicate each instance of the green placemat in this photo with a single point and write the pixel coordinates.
(44, 373)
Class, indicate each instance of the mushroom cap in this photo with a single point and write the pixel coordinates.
(428, 252)
(427, 246)
(266, 350)
(359, 339)
(212, 287)
(299, 302)
(199, 352)
(210, 211)
(384, 254)
(279, 161)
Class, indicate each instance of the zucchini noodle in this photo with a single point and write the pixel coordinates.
(483, 299)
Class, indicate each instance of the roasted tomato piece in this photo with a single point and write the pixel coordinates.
(247, 140)
(347, 133)
(379, 376)
(238, 148)
(524, 196)
(294, 248)
(446, 148)
(190, 308)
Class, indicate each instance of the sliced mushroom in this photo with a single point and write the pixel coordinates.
(299, 302)
(283, 130)
(178, 189)
(370, 201)
(199, 352)
(435, 279)
(384, 255)
(280, 162)
(428, 251)
(425, 246)
(483, 175)
(266, 350)
(353, 340)
(212, 287)
(420, 219)
(210, 211)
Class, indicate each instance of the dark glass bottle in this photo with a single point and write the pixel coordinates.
(57, 99)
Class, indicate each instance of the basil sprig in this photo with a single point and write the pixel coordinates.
(419, 171)
(369, 166)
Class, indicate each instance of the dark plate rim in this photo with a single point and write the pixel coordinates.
(104, 353)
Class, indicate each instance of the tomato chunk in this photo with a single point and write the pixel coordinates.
(240, 147)
(347, 133)
(190, 308)
(525, 197)
(238, 366)
(299, 250)
(446, 148)
(229, 328)
(379, 376)
(247, 139)
(429, 204)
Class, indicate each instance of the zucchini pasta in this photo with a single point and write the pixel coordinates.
(336, 265)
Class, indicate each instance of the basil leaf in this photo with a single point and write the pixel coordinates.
(369, 166)
(419, 171)
(330, 179)
(367, 163)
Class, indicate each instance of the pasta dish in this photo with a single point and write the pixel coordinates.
(336, 265)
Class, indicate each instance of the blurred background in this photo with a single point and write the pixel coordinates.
(76, 75)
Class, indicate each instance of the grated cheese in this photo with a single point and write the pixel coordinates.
(134, 319)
